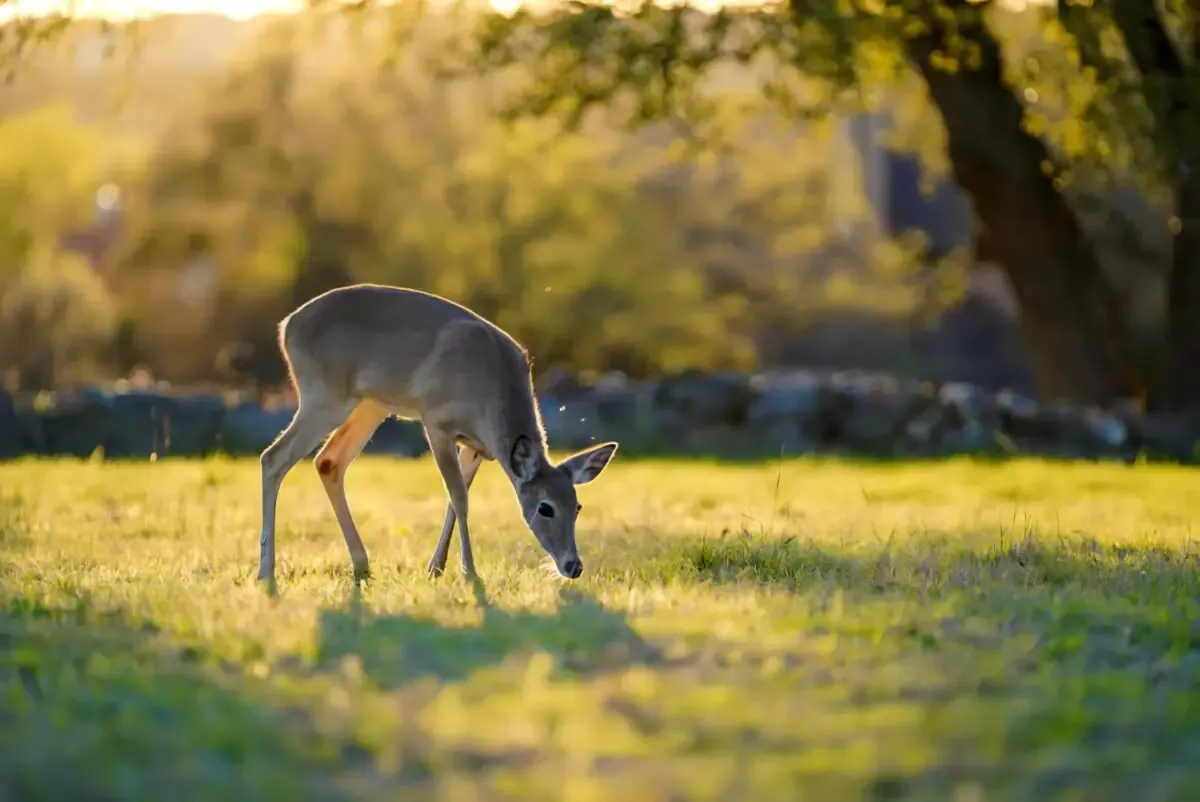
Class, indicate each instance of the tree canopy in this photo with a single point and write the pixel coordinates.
(1096, 91)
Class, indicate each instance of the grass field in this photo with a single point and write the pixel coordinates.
(806, 631)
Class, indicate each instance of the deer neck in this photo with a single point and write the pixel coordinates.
(518, 416)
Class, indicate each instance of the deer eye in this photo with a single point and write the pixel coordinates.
(545, 510)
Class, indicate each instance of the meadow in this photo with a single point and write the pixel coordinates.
(806, 630)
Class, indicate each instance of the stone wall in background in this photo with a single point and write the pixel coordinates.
(720, 414)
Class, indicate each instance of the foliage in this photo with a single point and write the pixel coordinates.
(23, 34)
(596, 249)
(56, 315)
(1073, 69)
(288, 193)
(810, 629)
(732, 243)
(675, 62)
(57, 318)
(1089, 99)
(50, 169)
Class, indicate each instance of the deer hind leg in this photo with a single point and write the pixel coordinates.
(343, 446)
(469, 461)
(316, 416)
(445, 454)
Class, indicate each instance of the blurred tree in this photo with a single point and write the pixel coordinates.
(23, 34)
(1131, 86)
(600, 249)
(56, 313)
(398, 182)
(49, 171)
(57, 319)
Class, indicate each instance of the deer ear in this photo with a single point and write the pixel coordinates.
(587, 465)
(522, 460)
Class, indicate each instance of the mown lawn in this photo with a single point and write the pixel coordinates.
(807, 631)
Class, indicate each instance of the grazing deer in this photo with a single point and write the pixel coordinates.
(358, 354)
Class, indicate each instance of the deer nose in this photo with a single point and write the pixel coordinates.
(573, 568)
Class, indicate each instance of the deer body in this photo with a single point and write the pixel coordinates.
(359, 354)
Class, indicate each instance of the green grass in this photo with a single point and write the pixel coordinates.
(811, 631)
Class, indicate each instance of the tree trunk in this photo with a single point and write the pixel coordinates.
(1175, 113)
(1181, 376)
(1071, 321)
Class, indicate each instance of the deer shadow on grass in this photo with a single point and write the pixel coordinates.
(146, 712)
(99, 705)
(580, 634)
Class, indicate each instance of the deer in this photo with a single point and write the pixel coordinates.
(359, 354)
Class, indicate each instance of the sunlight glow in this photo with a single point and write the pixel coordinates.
(234, 9)
(130, 9)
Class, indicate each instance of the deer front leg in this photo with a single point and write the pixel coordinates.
(469, 461)
(445, 454)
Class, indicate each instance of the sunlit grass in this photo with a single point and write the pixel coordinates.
(811, 630)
